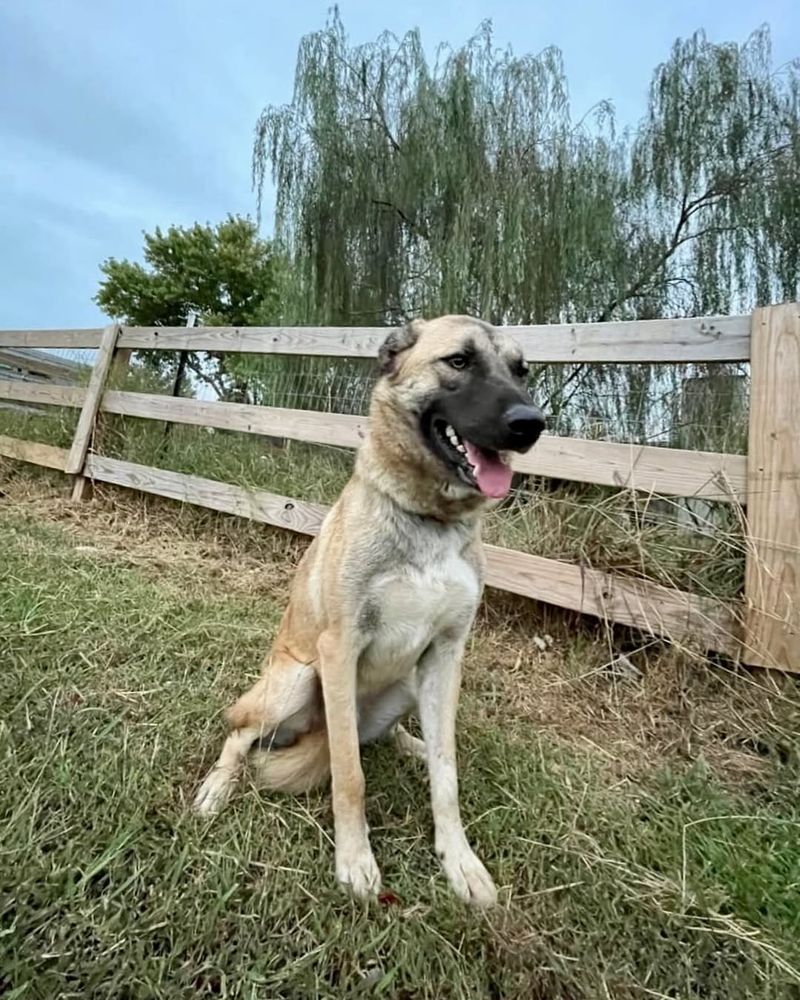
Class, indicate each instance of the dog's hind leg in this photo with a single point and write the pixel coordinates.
(407, 744)
(279, 708)
(221, 780)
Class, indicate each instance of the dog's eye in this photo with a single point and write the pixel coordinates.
(519, 369)
(457, 361)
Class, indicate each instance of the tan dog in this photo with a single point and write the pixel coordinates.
(384, 597)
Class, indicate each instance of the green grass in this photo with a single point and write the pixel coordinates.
(54, 425)
(668, 870)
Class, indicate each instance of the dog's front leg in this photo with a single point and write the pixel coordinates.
(355, 864)
(439, 685)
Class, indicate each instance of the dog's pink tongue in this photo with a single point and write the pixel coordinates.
(492, 475)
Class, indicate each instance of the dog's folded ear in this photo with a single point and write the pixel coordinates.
(399, 340)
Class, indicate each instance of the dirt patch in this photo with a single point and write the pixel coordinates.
(669, 708)
(179, 544)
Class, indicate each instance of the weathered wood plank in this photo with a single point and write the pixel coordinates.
(709, 338)
(268, 508)
(667, 471)
(300, 425)
(91, 403)
(89, 338)
(655, 609)
(658, 470)
(712, 338)
(343, 342)
(772, 575)
(34, 452)
(41, 392)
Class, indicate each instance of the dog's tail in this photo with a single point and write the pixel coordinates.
(304, 765)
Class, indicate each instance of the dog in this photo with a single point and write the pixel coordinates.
(384, 597)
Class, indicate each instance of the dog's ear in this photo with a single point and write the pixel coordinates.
(399, 340)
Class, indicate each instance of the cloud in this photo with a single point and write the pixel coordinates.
(127, 114)
(96, 146)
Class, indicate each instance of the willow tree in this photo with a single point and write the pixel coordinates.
(714, 169)
(406, 185)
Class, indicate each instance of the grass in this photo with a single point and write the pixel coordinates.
(645, 833)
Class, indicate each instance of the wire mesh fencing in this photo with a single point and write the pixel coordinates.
(693, 544)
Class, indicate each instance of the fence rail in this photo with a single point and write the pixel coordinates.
(51, 338)
(761, 629)
(24, 363)
(667, 471)
(711, 338)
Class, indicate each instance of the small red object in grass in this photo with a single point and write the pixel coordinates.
(387, 898)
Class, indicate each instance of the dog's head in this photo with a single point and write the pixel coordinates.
(462, 385)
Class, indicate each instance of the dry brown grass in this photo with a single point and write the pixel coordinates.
(674, 712)
(527, 664)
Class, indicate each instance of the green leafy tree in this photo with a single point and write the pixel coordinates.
(225, 275)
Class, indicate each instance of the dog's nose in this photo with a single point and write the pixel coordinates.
(525, 424)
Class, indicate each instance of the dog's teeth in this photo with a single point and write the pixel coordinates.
(461, 448)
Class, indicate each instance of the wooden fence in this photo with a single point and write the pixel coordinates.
(761, 629)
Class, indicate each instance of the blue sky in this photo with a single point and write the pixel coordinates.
(120, 115)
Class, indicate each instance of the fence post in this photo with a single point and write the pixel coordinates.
(86, 421)
(772, 575)
(180, 372)
(122, 362)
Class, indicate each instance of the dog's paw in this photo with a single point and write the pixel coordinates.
(359, 872)
(409, 745)
(214, 793)
(468, 877)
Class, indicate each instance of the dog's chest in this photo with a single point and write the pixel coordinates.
(407, 608)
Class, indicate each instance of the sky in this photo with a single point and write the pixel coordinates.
(120, 115)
